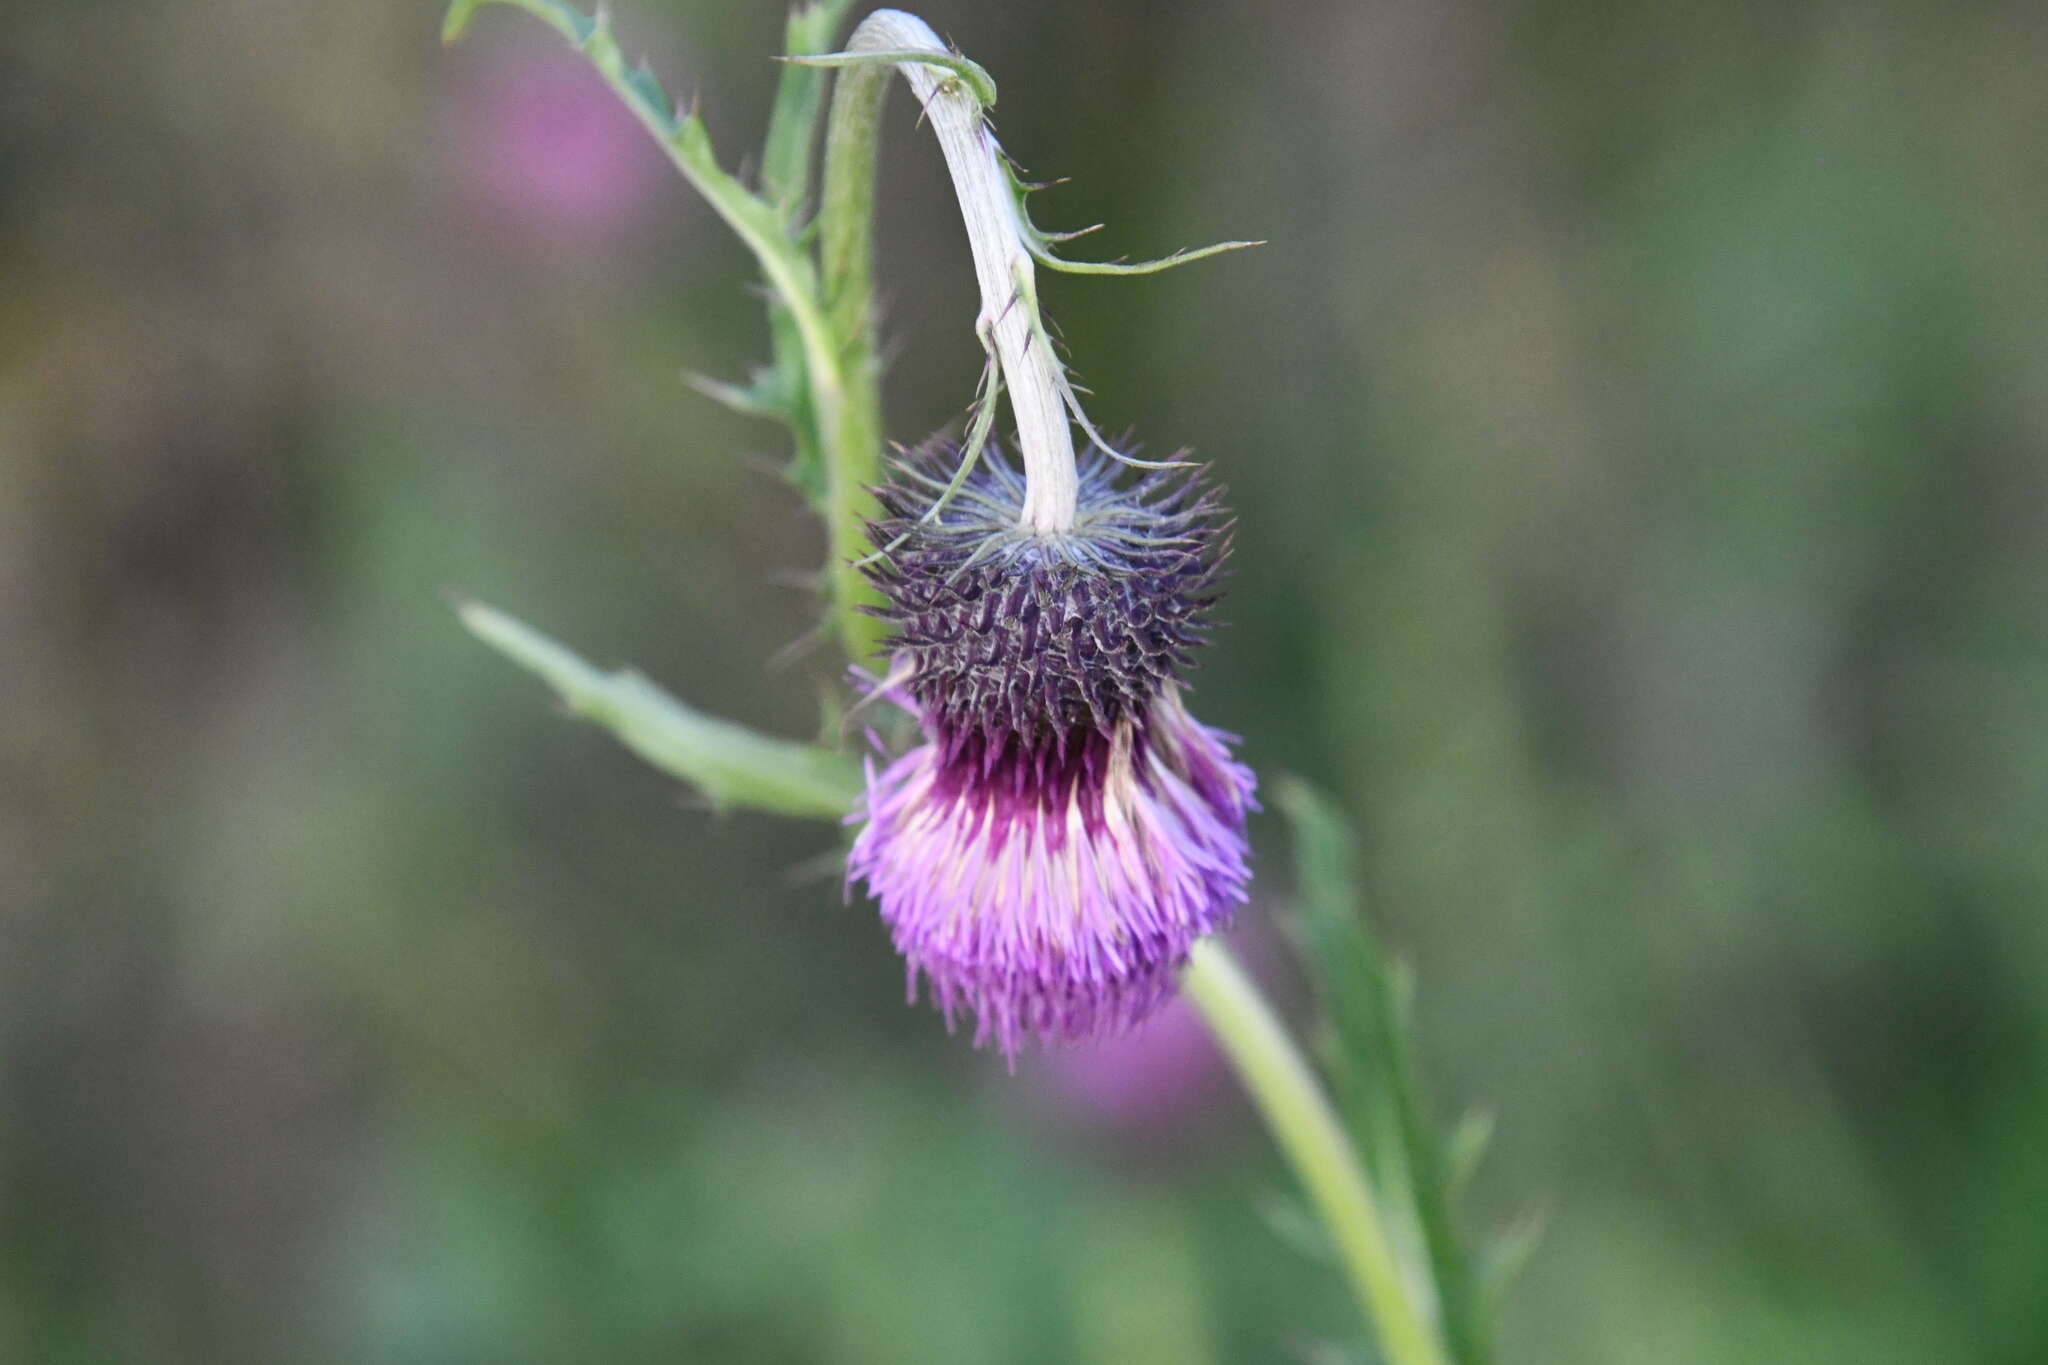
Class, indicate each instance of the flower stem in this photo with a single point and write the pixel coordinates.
(1308, 1131)
(853, 451)
(1003, 266)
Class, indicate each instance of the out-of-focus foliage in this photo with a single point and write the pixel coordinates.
(1363, 1002)
(1637, 432)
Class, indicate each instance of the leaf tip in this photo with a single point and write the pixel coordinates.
(456, 21)
(488, 624)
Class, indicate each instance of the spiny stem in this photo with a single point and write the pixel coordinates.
(848, 424)
(1308, 1131)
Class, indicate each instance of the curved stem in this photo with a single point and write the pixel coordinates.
(1002, 258)
(1308, 1131)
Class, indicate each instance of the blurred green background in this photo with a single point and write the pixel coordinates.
(1637, 429)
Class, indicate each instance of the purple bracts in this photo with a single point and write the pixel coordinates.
(1067, 831)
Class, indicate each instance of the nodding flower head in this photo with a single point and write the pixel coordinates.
(1066, 832)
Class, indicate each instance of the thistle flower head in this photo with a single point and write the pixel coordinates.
(1065, 833)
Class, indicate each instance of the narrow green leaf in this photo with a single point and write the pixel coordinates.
(1363, 997)
(799, 107)
(1509, 1252)
(730, 764)
(1295, 1226)
(1353, 980)
(1040, 247)
(1466, 1149)
(1041, 244)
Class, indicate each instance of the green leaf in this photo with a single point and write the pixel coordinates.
(1041, 244)
(799, 106)
(730, 764)
(1354, 982)
(1467, 1148)
(765, 395)
(1503, 1259)
(1363, 1001)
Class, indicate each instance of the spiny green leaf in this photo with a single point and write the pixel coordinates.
(1041, 243)
(730, 764)
(646, 88)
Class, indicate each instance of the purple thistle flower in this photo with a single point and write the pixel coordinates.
(1067, 831)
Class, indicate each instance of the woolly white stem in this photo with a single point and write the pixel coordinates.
(1002, 266)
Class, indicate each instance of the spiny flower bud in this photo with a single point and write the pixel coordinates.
(1067, 831)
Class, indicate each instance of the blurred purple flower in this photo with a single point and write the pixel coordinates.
(1164, 1073)
(544, 147)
